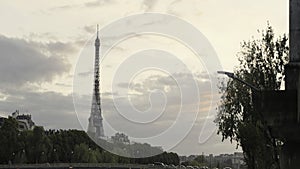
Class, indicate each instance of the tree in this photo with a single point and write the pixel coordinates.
(65, 146)
(201, 160)
(120, 138)
(39, 145)
(261, 63)
(81, 153)
(9, 140)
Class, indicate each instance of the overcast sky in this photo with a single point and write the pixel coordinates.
(45, 45)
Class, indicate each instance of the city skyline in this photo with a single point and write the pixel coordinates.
(39, 52)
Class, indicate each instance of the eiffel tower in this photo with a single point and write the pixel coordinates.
(95, 128)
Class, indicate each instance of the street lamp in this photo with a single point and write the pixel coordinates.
(231, 75)
(256, 92)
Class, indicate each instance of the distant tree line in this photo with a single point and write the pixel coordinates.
(198, 161)
(62, 146)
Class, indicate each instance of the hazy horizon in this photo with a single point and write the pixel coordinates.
(44, 49)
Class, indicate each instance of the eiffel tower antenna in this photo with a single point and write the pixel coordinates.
(97, 30)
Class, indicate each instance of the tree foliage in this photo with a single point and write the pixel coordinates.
(9, 140)
(65, 146)
(120, 138)
(198, 161)
(261, 63)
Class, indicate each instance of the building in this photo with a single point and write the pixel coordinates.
(25, 121)
(235, 160)
(238, 160)
(95, 127)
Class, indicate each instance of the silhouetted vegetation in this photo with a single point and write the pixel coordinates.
(198, 161)
(262, 65)
(61, 146)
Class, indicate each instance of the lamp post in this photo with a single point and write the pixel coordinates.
(256, 92)
(231, 75)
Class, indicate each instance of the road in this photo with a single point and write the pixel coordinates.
(76, 165)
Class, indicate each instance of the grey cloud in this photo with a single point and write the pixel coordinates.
(90, 29)
(65, 7)
(113, 117)
(91, 3)
(48, 109)
(47, 35)
(176, 8)
(63, 85)
(79, 43)
(97, 3)
(105, 94)
(85, 74)
(60, 48)
(161, 82)
(157, 91)
(148, 5)
(176, 1)
(124, 85)
(24, 66)
(24, 62)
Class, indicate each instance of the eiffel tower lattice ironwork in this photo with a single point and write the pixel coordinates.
(95, 127)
